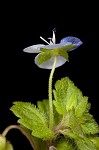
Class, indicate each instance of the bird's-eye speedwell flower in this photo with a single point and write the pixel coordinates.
(46, 55)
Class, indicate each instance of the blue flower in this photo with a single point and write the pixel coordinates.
(48, 51)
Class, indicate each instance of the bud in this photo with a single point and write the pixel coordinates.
(4, 144)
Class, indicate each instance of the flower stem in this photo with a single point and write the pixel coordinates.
(51, 117)
(24, 131)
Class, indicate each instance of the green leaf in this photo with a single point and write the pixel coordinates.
(66, 95)
(43, 57)
(95, 140)
(90, 127)
(44, 108)
(81, 107)
(60, 95)
(70, 134)
(65, 144)
(33, 119)
(40, 144)
(73, 123)
(85, 144)
(72, 101)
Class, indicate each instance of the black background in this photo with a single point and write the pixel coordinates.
(20, 78)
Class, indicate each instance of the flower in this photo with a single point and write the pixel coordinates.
(45, 58)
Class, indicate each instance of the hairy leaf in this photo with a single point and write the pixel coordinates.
(60, 95)
(85, 144)
(95, 140)
(90, 127)
(33, 119)
(81, 107)
(44, 108)
(66, 95)
(73, 123)
(70, 102)
(65, 144)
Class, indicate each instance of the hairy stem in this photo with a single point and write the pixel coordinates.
(24, 132)
(50, 95)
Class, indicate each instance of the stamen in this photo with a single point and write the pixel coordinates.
(51, 42)
(44, 40)
(53, 38)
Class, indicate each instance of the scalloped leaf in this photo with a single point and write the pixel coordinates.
(60, 95)
(90, 127)
(73, 123)
(85, 144)
(66, 95)
(33, 119)
(44, 108)
(81, 107)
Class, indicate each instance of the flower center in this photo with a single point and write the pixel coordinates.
(52, 40)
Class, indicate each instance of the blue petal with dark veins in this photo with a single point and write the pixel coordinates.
(73, 40)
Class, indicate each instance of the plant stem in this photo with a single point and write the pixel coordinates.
(51, 117)
(24, 131)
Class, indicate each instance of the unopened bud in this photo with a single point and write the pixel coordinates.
(4, 144)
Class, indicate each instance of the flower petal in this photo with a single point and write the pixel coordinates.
(48, 64)
(33, 48)
(54, 46)
(73, 40)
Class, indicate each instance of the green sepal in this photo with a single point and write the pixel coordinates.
(63, 48)
(32, 119)
(46, 54)
(64, 54)
(66, 48)
(43, 57)
(44, 50)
